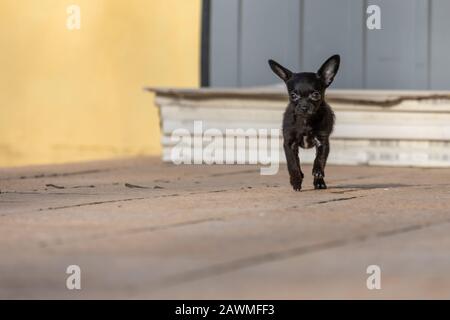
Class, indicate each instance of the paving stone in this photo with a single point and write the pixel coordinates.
(140, 228)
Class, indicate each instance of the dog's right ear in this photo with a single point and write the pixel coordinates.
(280, 71)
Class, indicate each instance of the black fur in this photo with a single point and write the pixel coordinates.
(308, 120)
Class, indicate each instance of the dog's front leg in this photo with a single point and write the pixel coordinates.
(322, 151)
(293, 164)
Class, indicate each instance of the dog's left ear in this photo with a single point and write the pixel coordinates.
(329, 69)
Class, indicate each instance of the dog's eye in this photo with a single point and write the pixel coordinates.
(294, 96)
(315, 96)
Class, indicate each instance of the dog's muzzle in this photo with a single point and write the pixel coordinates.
(301, 108)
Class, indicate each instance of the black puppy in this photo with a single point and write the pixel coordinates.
(308, 120)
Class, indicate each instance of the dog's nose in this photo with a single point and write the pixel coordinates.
(304, 108)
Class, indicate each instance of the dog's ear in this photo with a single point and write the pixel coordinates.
(280, 71)
(329, 69)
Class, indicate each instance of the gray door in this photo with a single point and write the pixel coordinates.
(410, 51)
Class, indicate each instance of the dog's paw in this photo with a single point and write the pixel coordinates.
(319, 183)
(296, 183)
(318, 174)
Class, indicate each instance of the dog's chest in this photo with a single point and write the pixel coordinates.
(306, 141)
(305, 137)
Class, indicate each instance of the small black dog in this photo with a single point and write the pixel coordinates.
(308, 120)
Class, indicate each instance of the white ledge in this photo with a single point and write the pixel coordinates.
(277, 92)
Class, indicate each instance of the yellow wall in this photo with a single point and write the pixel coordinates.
(77, 95)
